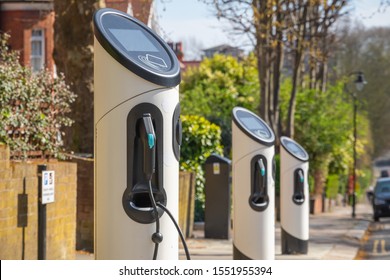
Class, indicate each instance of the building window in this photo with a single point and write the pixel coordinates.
(37, 58)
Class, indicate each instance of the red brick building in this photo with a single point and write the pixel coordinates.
(30, 24)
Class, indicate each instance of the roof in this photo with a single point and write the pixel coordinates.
(213, 158)
(221, 47)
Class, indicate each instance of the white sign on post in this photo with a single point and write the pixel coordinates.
(47, 187)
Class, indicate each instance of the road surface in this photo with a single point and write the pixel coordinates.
(376, 245)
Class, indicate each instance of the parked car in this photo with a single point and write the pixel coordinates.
(381, 201)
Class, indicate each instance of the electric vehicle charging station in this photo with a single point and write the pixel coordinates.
(137, 140)
(253, 187)
(294, 197)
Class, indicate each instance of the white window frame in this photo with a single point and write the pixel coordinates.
(39, 38)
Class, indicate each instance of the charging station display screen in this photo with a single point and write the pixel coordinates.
(253, 125)
(256, 127)
(136, 47)
(294, 148)
(133, 40)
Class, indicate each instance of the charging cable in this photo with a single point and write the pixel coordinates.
(183, 241)
(149, 170)
(157, 237)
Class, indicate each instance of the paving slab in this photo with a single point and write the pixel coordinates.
(333, 235)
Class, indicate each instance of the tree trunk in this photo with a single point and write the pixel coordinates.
(263, 78)
(73, 55)
(277, 68)
(320, 175)
(323, 78)
(297, 67)
(262, 24)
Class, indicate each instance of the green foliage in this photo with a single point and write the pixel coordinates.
(364, 180)
(332, 186)
(311, 183)
(324, 127)
(33, 107)
(200, 139)
(217, 86)
(367, 49)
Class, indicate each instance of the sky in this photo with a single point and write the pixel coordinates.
(193, 23)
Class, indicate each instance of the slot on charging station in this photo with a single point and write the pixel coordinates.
(259, 199)
(136, 200)
(299, 195)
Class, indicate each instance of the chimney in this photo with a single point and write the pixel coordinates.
(170, 44)
(121, 5)
(141, 9)
(179, 51)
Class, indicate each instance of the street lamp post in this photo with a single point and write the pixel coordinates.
(354, 156)
(359, 84)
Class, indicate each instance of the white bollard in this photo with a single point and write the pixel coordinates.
(253, 187)
(137, 127)
(294, 197)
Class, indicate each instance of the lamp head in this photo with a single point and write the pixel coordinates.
(360, 81)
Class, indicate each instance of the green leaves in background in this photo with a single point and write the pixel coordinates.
(324, 127)
(216, 87)
(208, 95)
(33, 107)
(200, 139)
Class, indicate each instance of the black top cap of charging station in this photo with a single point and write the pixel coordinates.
(294, 149)
(253, 126)
(136, 47)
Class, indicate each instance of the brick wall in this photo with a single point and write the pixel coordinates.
(85, 205)
(17, 178)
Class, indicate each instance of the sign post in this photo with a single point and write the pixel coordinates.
(45, 195)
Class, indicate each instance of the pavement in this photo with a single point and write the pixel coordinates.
(333, 235)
